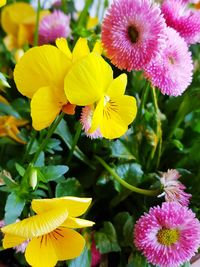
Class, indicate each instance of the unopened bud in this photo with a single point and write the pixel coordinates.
(33, 178)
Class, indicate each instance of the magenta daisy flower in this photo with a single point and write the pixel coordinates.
(171, 71)
(54, 26)
(169, 235)
(132, 33)
(174, 189)
(86, 121)
(181, 17)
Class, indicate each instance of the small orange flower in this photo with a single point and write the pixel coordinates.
(9, 127)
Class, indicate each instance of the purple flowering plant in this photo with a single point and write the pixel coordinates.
(100, 100)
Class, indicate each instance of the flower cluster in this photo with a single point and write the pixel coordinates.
(138, 35)
(48, 236)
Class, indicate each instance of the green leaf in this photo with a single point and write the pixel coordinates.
(70, 187)
(9, 110)
(63, 131)
(120, 150)
(177, 144)
(19, 169)
(124, 223)
(106, 239)
(3, 81)
(51, 173)
(130, 172)
(14, 207)
(53, 145)
(137, 260)
(187, 264)
(84, 260)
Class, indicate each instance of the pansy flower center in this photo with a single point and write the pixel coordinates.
(168, 237)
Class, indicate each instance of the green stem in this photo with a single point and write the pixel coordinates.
(158, 131)
(75, 141)
(124, 183)
(42, 146)
(64, 6)
(36, 34)
(144, 96)
(29, 146)
(83, 16)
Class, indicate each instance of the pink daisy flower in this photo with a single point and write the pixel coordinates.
(171, 71)
(54, 26)
(182, 18)
(174, 189)
(169, 235)
(86, 121)
(132, 33)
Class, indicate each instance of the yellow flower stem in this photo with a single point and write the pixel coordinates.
(75, 141)
(36, 34)
(124, 183)
(42, 146)
(158, 131)
(83, 16)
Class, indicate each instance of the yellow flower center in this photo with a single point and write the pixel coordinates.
(168, 237)
(133, 34)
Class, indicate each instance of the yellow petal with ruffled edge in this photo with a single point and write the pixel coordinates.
(118, 114)
(62, 44)
(39, 67)
(44, 108)
(61, 244)
(80, 50)
(15, 14)
(77, 223)
(118, 86)
(39, 224)
(75, 206)
(10, 241)
(2, 3)
(87, 80)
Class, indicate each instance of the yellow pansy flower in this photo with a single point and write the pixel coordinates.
(90, 82)
(2, 3)
(40, 75)
(18, 21)
(50, 231)
(9, 127)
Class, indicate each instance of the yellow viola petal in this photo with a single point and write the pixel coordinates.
(80, 50)
(74, 205)
(62, 44)
(69, 245)
(39, 67)
(44, 108)
(87, 80)
(2, 2)
(118, 86)
(118, 114)
(37, 225)
(61, 244)
(40, 252)
(98, 48)
(15, 14)
(71, 222)
(97, 116)
(10, 241)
